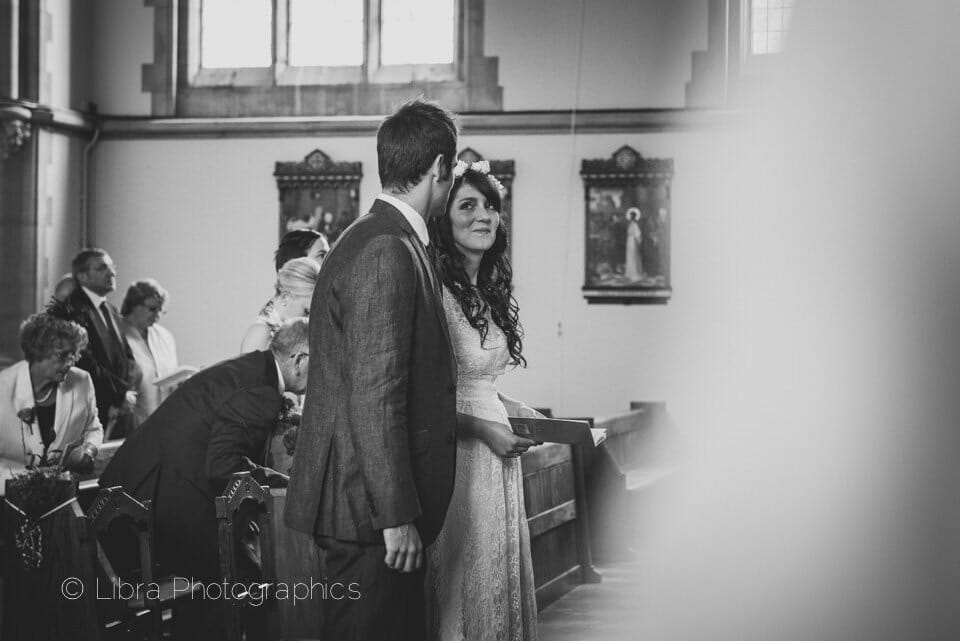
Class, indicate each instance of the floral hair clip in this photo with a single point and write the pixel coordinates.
(460, 169)
(481, 167)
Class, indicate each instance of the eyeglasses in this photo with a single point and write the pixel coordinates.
(154, 309)
(66, 355)
(103, 268)
(297, 356)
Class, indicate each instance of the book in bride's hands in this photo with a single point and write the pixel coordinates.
(557, 430)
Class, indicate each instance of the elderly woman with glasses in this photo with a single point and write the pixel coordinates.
(153, 346)
(48, 409)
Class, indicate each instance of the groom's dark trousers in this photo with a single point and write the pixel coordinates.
(378, 603)
(377, 440)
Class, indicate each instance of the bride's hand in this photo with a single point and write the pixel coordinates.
(503, 442)
(528, 412)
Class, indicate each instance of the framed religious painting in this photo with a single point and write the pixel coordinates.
(503, 171)
(317, 193)
(628, 215)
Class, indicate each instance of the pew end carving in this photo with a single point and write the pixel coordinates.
(122, 529)
(89, 485)
(247, 553)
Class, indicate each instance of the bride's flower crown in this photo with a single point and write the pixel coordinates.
(481, 167)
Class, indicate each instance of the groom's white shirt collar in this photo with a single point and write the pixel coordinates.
(416, 220)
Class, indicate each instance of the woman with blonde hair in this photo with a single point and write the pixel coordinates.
(292, 296)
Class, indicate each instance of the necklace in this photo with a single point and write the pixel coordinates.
(39, 400)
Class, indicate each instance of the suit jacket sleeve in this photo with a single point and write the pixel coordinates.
(378, 312)
(239, 435)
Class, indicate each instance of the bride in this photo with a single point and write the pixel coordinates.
(479, 575)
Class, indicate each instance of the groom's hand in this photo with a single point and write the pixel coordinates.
(404, 550)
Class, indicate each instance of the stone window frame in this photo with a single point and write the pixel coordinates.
(179, 88)
(726, 72)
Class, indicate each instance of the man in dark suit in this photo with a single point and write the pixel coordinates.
(217, 423)
(108, 358)
(374, 464)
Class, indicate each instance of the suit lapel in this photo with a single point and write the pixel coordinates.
(23, 399)
(65, 399)
(114, 332)
(22, 388)
(102, 332)
(110, 342)
(434, 285)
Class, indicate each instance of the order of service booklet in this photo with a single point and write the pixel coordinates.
(557, 430)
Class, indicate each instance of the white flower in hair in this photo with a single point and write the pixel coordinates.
(497, 185)
(481, 167)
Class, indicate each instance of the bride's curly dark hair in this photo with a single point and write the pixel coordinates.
(495, 279)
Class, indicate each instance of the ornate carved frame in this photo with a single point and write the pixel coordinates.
(317, 179)
(618, 192)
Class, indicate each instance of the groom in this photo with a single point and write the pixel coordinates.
(374, 464)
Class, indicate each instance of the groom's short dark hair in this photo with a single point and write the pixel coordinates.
(409, 139)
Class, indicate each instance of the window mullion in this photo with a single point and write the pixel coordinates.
(281, 34)
(371, 63)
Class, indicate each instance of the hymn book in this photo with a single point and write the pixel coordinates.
(557, 430)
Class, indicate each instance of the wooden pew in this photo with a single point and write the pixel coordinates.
(34, 605)
(554, 498)
(637, 459)
(104, 454)
(89, 483)
(289, 560)
(121, 527)
(244, 500)
(555, 501)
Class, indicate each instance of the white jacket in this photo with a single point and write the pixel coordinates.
(75, 421)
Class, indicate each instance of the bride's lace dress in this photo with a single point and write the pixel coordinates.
(479, 574)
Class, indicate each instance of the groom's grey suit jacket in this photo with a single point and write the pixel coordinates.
(377, 440)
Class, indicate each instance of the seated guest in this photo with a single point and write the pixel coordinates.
(299, 243)
(153, 346)
(48, 409)
(108, 358)
(215, 424)
(293, 293)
